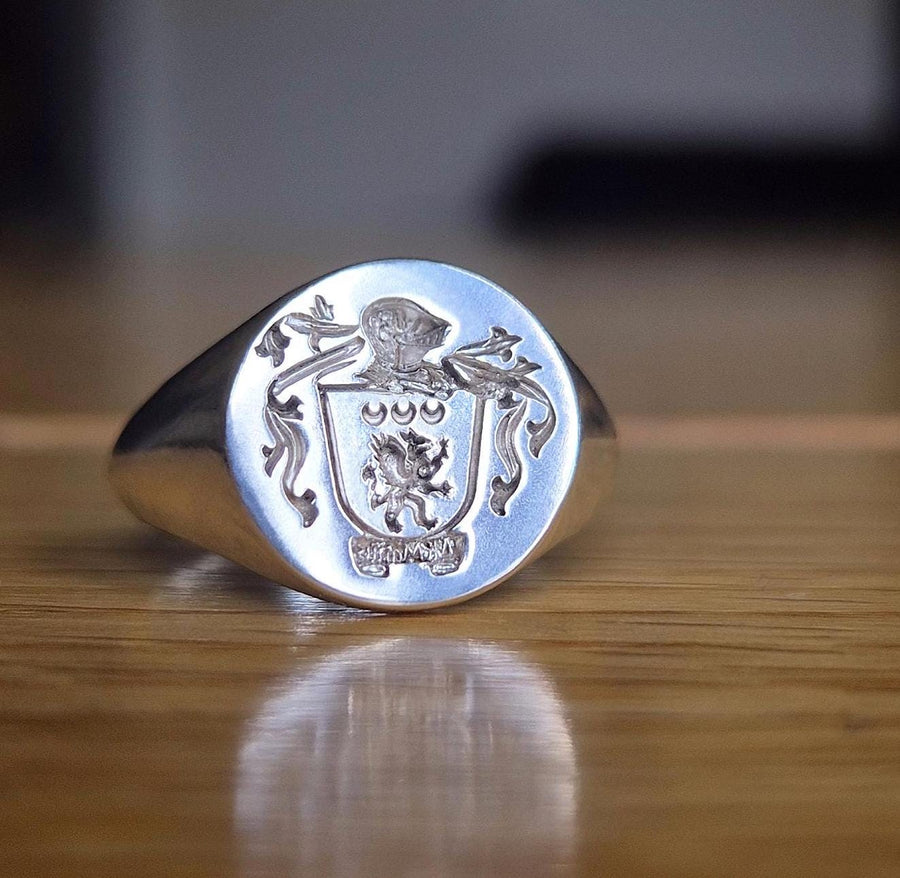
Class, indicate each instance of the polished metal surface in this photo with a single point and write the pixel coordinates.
(396, 435)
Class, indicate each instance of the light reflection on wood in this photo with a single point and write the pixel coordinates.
(443, 757)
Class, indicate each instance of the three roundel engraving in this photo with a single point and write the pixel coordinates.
(431, 411)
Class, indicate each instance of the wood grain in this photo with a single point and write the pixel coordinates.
(661, 323)
(704, 683)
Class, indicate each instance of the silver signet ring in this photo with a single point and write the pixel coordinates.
(397, 435)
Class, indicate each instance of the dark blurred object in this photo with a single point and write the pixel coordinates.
(46, 108)
(571, 184)
(569, 181)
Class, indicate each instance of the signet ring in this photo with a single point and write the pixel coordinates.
(396, 435)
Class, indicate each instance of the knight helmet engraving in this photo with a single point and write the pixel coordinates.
(403, 436)
(400, 334)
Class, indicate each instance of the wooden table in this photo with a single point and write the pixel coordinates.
(705, 683)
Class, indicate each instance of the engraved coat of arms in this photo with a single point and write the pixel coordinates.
(405, 437)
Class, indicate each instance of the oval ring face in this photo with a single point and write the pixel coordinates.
(403, 433)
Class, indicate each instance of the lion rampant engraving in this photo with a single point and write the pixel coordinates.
(399, 475)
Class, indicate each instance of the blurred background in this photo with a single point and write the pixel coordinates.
(700, 200)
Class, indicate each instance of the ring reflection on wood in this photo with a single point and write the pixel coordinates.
(413, 756)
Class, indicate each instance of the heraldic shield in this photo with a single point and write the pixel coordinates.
(404, 439)
(409, 477)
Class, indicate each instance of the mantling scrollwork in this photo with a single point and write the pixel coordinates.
(512, 388)
(284, 419)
